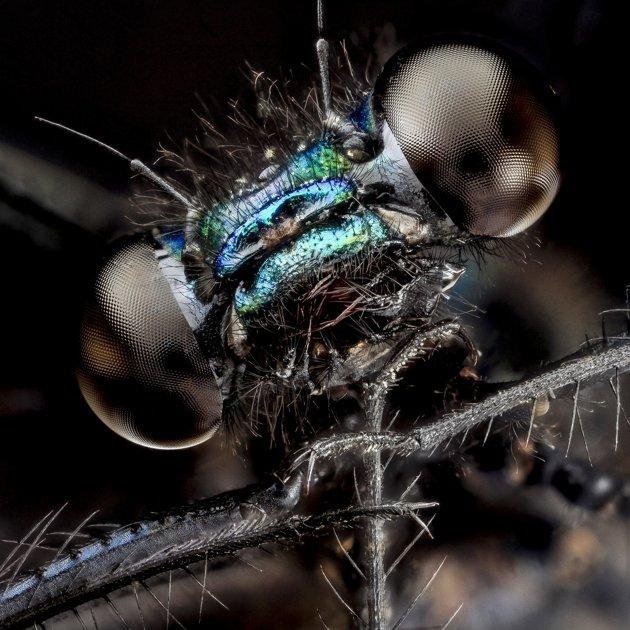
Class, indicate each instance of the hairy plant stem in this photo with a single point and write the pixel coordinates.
(253, 516)
(598, 364)
(375, 396)
(377, 604)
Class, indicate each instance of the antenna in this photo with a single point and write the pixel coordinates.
(322, 47)
(136, 165)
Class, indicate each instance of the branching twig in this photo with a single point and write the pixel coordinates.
(376, 392)
(254, 516)
(584, 369)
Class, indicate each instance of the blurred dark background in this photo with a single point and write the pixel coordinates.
(131, 74)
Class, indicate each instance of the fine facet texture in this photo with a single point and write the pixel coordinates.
(142, 370)
(475, 134)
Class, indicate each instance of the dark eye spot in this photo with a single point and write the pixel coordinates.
(474, 162)
(356, 149)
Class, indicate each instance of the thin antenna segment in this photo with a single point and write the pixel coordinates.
(136, 166)
(140, 167)
(322, 48)
(84, 136)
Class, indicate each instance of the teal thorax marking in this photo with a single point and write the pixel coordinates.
(304, 203)
(350, 236)
(317, 163)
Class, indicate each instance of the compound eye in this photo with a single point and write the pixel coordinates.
(475, 133)
(142, 370)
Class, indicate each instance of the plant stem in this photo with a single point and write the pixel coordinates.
(586, 368)
(377, 604)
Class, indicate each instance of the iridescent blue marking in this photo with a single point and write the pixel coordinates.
(121, 537)
(317, 197)
(19, 588)
(318, 162)
(352, 235)
(174, 242)
(363, 117)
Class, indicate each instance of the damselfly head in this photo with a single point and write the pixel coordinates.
(303, 283)
(476, 131)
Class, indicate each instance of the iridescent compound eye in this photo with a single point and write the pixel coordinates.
(476, 134)
(142, 370)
